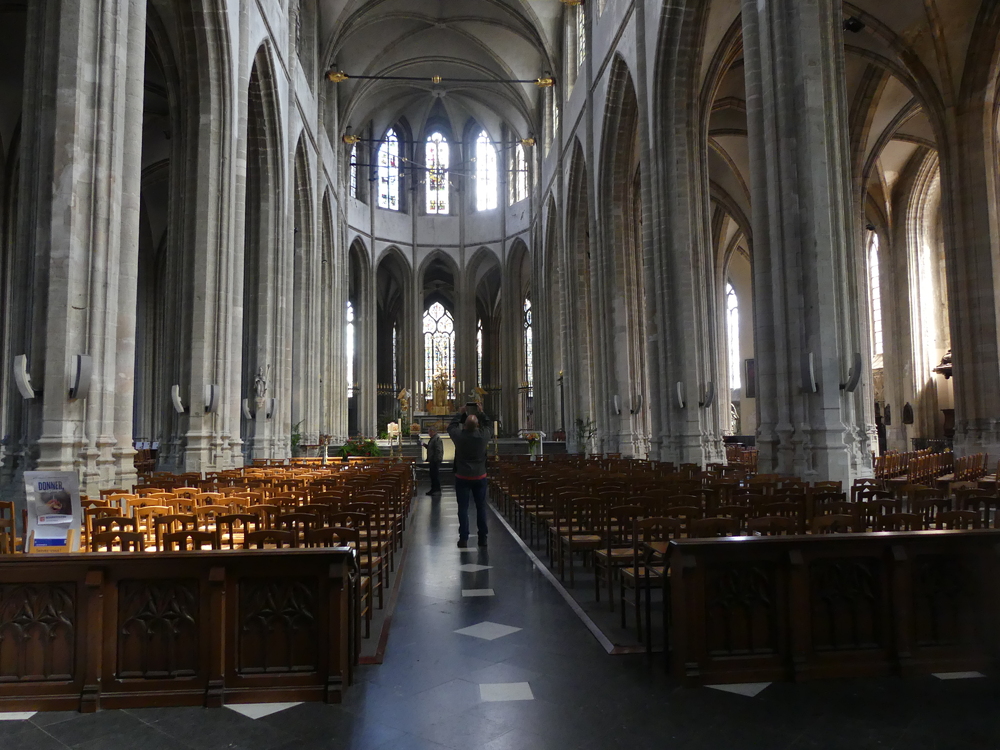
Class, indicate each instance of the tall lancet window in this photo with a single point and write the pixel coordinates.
(486, 173)
(875, 289)
(529, 370)
(388, 172)
(349, 348)
(354, 171)
(437, 174)
(581, 35)
(519, 176)
(479, 352)
(733, 336)
(439, 346)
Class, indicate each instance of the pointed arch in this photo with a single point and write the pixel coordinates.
(262, 239)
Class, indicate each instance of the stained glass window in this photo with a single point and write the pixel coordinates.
(437, 174)
(529, 371)
(479, 353)
(439, 345)
(395, 384)
(581, 35)
(354, 171)
(349, 348)
(733, 334)
(486, 173)
(875, 288)
(519, 176)
(388, 172)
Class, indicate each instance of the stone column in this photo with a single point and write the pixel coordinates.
(800, 170)
(82, 130)
(677, 254)
(969, 192)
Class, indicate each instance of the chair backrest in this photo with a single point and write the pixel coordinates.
(333, 536)
(190, 540)
(117, 541)
(772, 525)
(229, 527)
(171, 523)
(959, 519)
(113, 523)
(835, 523)
(715, 526)
(269, 537)
(900, 522)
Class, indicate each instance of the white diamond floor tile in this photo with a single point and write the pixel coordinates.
(17, 715)
(749, 689)
(957, 675)
(478, 592)
(260, 710)
(473, 567)
(506, 691)
(488, 631)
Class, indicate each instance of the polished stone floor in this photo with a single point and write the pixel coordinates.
(484, 654)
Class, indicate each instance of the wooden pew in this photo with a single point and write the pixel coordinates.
(844, 605)
(119, 630)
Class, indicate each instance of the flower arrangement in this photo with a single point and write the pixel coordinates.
(533, 439)
(360, 447)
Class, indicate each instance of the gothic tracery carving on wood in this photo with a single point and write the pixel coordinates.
(158, 629)
(847, 599)
(37, 632)
(279, 631)
(742, 610)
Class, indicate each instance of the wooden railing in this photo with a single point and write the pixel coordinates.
(89, 631)
(844, 605)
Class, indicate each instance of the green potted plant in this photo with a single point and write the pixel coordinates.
(296, 438)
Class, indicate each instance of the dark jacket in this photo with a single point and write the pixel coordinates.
(435, 449)
(470, 446)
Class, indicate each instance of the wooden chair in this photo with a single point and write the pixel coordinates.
(269, 538)
(8, 523)
(41, 547)
(619, 525)
(685, 513)
(644, 570)
(145, 519)
(835, 523)
(959, 519)
(173, 523)
(900, 522)
(190, 540)
(579, 525)
(207, 515)
(340, 536)
(232, 528)
(117, 541)
(713, 527)
(114, 523)
(739, 513)
(371, 557)
(772, 525)
(299, 523)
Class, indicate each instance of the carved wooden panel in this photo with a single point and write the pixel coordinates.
(158, 629)
(742, 609)
(37, 632)
(278, 625)
(944, 600)
(846, 602)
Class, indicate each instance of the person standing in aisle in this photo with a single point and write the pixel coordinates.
(435, 455)
(471, 434)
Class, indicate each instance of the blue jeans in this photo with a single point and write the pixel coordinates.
(474, 489)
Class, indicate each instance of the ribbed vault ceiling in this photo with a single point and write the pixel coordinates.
(486, 39)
